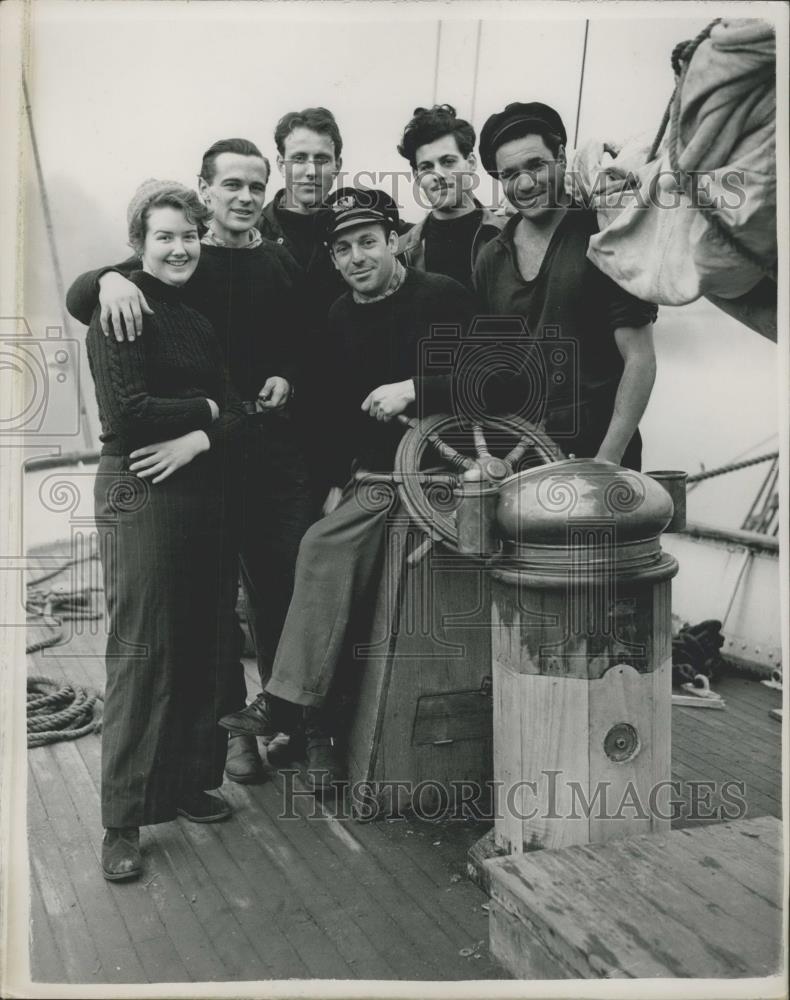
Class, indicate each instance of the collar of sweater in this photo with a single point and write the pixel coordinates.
(210, 239)
(398, 277)
(149, 285)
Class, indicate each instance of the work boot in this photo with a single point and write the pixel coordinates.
(200, 807)
(120, 853)
(323, 764)
(243, 763)
(265, 717)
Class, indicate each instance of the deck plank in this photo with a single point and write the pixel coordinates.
(642, 906)
(413, 942)
(233, 946)
(261, 900)
(78, 848)
(714, 757)
(456, 907)
(341, 944)
(69, 928)
(136, 905)
(46, 962)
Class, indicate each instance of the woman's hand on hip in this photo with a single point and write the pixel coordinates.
(162, 460)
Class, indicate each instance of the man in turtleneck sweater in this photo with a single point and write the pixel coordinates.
(440, 150)
(253, 293)
(309, 147)
(375, 330)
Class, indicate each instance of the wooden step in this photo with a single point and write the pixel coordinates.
(696, 903)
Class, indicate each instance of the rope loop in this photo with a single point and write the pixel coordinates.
(65, 713)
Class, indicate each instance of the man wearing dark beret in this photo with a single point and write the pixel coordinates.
(375, 330)
(537, 272)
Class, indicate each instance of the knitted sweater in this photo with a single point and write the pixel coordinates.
(377, 343)
(157, 387)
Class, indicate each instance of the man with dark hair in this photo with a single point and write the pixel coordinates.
(537, 271)
(439, 147)
(375, 330)
(253, 293)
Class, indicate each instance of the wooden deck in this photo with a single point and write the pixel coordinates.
(261, 897)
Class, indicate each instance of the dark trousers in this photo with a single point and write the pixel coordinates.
(169, 562)
(337, 573)
(276, 510)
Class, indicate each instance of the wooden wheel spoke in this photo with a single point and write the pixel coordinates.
(517, 453)
(481, 445)
(449, 454)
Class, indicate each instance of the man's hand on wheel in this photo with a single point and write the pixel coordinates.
(274, 394)
(122, 307)
(388, 401)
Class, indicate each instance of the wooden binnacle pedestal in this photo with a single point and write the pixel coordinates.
(581, 657)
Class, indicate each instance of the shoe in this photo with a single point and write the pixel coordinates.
(200, 807)
(323, 766)
(243, 763)
(265, 717)
(285, 749)
(120, 853)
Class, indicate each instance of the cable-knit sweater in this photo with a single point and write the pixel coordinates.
(157, 387)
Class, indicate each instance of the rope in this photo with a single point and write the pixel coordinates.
(68, 711)
(65, 714)
(682, 54)
(732, 467)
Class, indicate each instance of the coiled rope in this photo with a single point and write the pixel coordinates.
(59, 710)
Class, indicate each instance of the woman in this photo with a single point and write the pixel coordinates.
(164, 497)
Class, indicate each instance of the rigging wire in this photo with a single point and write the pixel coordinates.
(581, 82)
(477, 67)
(436, 67)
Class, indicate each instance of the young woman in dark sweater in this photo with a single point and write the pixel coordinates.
(164, 502)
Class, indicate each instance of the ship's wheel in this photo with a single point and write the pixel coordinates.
(435, 452)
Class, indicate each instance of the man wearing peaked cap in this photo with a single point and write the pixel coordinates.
(536, 271)
(375, 330)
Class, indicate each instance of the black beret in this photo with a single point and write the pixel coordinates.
(350, 206)
(510, 123)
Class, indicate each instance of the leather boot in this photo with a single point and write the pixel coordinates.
(324, 768)
(265, 717)
(201, 807)
(243, 763)
(120, 853)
